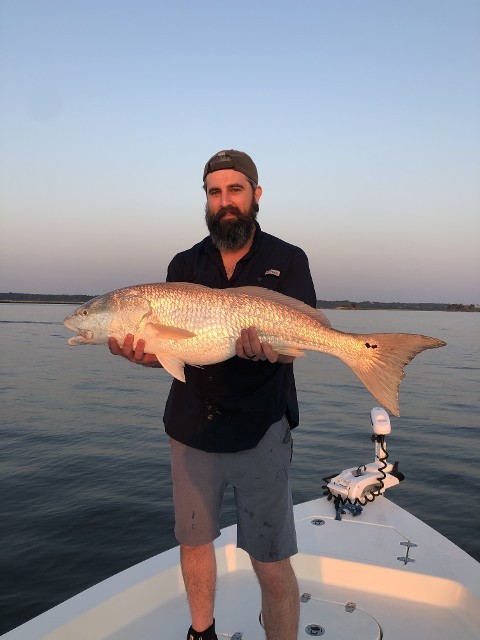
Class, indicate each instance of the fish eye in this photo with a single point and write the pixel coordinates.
(84, 312)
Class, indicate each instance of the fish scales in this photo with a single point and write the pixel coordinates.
(185, 323)
(221, 315)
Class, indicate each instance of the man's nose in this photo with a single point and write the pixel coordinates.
(225, 199)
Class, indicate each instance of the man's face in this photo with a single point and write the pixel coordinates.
(231, 209)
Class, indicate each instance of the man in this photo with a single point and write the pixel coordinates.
(230, 422)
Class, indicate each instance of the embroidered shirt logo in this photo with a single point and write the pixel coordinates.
(272, 272)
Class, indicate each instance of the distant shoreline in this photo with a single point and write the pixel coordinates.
(33, 298)
(2, 301)
(45, 298)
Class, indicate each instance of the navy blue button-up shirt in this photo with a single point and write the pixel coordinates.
(229, 406)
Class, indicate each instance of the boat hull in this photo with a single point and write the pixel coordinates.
(352, 573)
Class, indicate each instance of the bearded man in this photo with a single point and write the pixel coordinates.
(230, 422)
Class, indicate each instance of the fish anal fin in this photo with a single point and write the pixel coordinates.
(290, 351)
(174, 366)
(164, 332)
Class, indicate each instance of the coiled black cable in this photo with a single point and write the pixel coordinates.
(371, 495)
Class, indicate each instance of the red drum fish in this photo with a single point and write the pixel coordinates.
(184, 323)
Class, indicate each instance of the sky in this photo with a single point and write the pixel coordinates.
(363, 117)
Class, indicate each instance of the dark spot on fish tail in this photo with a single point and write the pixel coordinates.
(371, 346)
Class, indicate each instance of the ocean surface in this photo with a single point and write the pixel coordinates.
(84, 468)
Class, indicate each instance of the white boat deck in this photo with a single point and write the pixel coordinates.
(339, 562)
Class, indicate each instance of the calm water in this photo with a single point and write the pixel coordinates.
(84, 470)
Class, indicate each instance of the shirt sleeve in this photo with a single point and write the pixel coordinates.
(175, 271)
(298, 282)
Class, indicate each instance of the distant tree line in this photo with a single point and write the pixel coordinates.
(64, 298)
(410, 306)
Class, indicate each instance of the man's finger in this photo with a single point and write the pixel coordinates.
(253, 345)
(247, 346)
(271, 355)
(139, 350)
(127, 349)
(114, 347)
(239, 348)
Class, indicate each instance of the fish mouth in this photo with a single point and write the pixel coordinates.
(84, 335)
(82, 338)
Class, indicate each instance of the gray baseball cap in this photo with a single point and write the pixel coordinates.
(232, 159)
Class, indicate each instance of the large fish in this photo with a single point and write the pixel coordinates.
(184, 323)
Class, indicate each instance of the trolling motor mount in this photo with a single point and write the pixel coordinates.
(360, 485)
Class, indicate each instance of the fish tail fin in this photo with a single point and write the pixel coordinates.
(380, 363)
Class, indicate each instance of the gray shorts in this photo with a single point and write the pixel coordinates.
(260, 480)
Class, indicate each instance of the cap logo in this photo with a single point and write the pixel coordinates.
(272, 272)
(221, 157)
(232, 159)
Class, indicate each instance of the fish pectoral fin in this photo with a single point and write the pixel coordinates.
(174, 366)
(290, 351)
(164, 332)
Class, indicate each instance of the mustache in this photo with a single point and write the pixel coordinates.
(229, 209)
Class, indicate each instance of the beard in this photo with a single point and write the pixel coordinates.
(233, 233)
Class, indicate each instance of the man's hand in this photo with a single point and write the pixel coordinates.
(249, 346)
(137, 355)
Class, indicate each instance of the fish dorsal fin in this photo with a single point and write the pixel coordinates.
(165, 332)
(280, 298)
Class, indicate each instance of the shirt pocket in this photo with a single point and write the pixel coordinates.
(270, 279)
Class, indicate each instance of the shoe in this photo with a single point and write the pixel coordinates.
(208, 634)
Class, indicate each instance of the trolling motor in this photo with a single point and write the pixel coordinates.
(354, 488)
